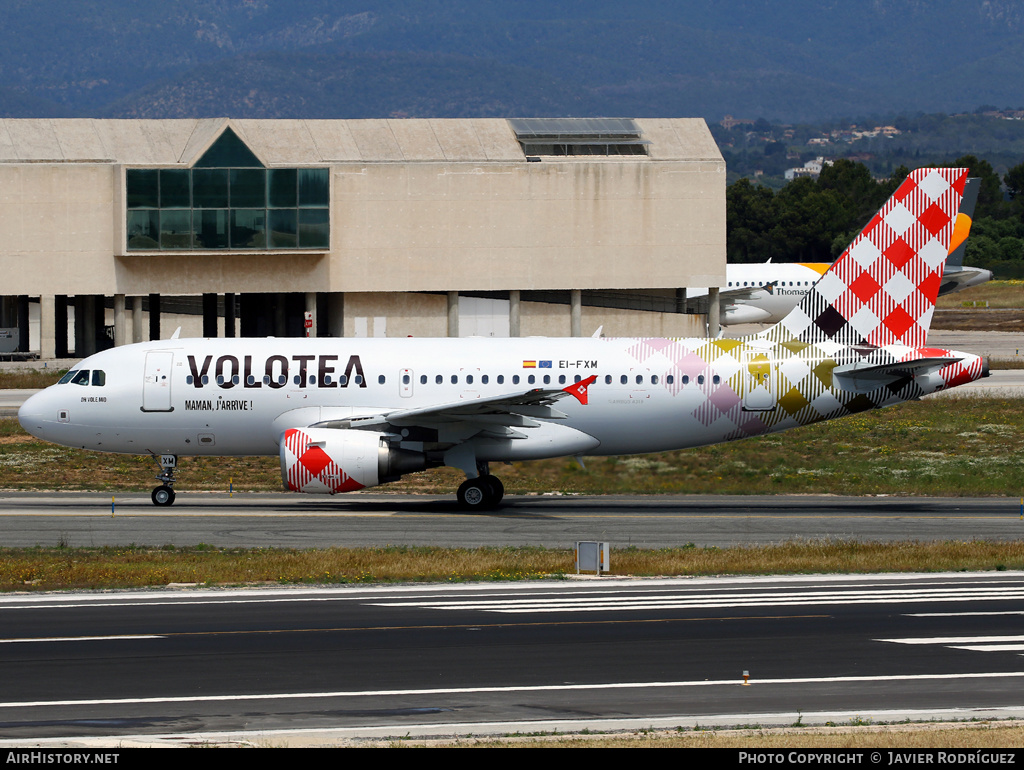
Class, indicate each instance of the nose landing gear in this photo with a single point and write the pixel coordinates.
(164, 494)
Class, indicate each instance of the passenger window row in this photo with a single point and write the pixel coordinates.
(82, 378)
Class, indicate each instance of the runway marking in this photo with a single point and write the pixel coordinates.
(1004, 643)
(594, 603)
(441, 627)
(955, 639)
(962, 614)
(510, 689)
(79, 638)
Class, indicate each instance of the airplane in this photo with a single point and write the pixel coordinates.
(348, 414)
(767, 292)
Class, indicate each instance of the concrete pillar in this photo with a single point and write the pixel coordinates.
(47, 326)
(120, 321)
(514, 317)
(154, 316)
(85, 343)
(229, 315)
(311, 308)
(137, 319)
(453, 314)
(60, 326)
(681, 300)
(714, 313)
(336, 314)
(575, 313)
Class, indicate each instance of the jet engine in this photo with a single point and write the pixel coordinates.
(326, 460)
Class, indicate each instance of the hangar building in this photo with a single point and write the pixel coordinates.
(368, 227)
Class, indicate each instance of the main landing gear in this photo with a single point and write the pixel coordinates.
(164, 494)
(481, 493)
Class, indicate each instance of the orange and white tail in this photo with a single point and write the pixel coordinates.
(882, 290)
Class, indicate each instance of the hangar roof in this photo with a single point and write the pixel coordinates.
(311, 142)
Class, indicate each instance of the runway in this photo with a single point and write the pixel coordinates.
(282, 665)
(555, 521)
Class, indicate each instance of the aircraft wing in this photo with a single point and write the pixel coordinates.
(742, 293)
(864, 378)
(959, 278)
(506, 411)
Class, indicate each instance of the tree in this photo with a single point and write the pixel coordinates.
(1014, 180)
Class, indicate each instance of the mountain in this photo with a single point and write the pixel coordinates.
(799, 60)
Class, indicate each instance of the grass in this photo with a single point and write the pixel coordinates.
(57, 568)
(29, 379)
(845, 737)
(998, 294)
(995, 306)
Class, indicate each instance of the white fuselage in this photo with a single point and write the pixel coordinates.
(238, 396)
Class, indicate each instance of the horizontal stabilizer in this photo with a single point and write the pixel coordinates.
(864, 378)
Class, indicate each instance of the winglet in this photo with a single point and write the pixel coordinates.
(579, 389)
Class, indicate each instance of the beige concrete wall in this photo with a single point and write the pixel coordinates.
(192, 272)
(405, 315)
(541, 319)
(558, 224)
(57, 228)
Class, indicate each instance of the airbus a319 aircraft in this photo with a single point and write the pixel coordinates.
(347, 414)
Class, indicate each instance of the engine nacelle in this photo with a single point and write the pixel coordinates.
(326, 461)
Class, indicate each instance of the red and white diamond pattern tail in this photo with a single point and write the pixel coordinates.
(882, 290)
(308, 468)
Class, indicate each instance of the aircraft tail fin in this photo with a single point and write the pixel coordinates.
(882, 290)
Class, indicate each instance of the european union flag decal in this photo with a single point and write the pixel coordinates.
(544, 364)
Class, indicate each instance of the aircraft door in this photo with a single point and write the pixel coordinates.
(156, 384)
(760, 391)
(405, 383)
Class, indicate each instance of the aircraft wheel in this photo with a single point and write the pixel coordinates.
(497, 488)
(163, 495)
(476, 494)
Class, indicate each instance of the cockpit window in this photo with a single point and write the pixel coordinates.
(81, 377)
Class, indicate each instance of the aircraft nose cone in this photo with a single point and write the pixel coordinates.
(33, 414)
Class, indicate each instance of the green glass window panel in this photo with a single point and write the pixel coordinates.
(283, 228)
(144, 229)
(314, 229)
(175, 229)
(211, 228)
(174, 189)
(248, 228)
(141, 188)
(314, 187)
(228, 152)
(248, 188)
(210, 188)
(283, 187)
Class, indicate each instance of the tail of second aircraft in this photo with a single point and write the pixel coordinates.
(882, 290)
